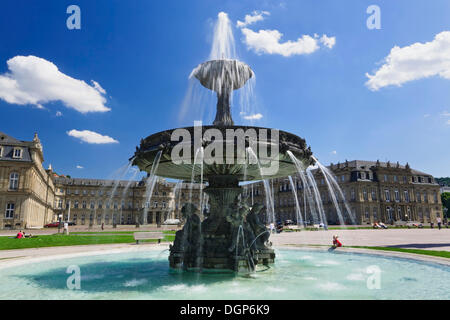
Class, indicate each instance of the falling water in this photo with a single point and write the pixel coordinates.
(120, 174)
(334, 189)
(197, 161)
(297, 205)
(176, 192)
(312, 199)
(319, 203)
(150, 185)
(270, 206)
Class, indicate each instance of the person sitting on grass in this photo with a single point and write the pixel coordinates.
(376, 225)
(20, 235)
(382, 225)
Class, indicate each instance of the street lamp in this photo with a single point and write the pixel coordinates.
(59, 222)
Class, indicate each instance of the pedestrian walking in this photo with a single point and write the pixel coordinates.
(439, 222)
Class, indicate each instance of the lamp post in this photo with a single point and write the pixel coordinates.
(59, 222)
(68, 218)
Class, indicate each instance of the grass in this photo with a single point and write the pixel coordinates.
(434, 253)
(57, 240)
(121, 232)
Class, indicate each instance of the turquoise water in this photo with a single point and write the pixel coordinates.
(297, 274)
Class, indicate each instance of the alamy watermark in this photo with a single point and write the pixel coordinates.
(374, 20)
(74, 280)
(374, 280)
(231, 146)
(74, 20)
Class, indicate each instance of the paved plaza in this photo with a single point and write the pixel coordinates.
(428, 239)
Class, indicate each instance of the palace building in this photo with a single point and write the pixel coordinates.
(31, 196)
(27, 190)
(374, 191)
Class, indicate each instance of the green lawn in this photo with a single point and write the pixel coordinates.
(7, 243)
(435, 253)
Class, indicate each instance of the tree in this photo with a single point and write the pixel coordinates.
(445, 197)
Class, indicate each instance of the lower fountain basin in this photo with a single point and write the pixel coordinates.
(296, 274)
(270, 146)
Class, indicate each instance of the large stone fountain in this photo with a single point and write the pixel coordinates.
(231, 235)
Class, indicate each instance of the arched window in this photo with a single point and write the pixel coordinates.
(13, 181)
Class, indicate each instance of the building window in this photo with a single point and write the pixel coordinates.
(1, 152)
(9, 213)
(366, 214)
(387, 195)
(352, 195)
(389, 213)
(92, 205)
(75, 205)
(385, 178)
(425, 197)
(100, 204)
(418, 197)
(84, 192)
(84, 204)
(395, 178)
(374, 195)
(343, 178)
(365, 194)
(397, 196)
(60, 202)
(155, 204)
(435, 198)
(17, 153)
(375, 214)
(406, 196)
(13, 181)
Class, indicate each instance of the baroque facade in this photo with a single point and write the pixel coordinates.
(374, 191)
(27, 190)
(32, 196)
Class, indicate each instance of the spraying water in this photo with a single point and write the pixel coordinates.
(150, 185)
(223, 41)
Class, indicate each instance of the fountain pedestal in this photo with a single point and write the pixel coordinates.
(226, 239)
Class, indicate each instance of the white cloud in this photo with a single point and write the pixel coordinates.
(36, 81)
(249, 19)
(256, 116)
(448, 122)
(334, 152)
(58, 113)
(445, 114)
(328, 41)
(98, 87)
(417, 61)
(91, 137)
(268, 41)
(79, 167)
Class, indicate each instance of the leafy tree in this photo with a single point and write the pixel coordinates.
(443, 181)
(445, 197)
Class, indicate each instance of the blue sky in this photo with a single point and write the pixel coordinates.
(142, 52)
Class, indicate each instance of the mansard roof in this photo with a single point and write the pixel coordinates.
(8, 143)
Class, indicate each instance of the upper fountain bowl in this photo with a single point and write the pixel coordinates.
(225, 74)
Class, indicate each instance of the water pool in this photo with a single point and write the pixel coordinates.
(296, 274)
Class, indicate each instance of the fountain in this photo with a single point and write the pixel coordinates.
(231, 236)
